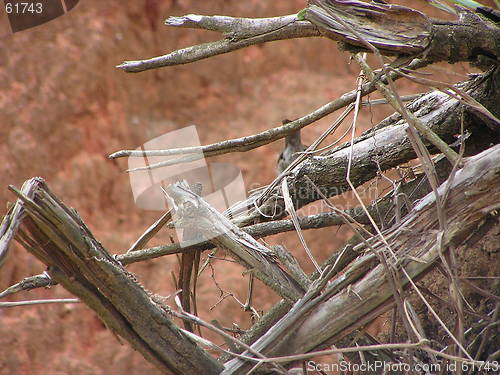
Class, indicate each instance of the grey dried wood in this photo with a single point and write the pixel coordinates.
(196, 215)
(57, 236)
(317, 321)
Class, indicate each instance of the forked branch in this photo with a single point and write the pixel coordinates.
(394, 29)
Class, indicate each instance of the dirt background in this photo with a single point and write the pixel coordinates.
(65, 107)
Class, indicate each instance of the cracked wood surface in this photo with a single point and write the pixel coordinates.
(197, 216)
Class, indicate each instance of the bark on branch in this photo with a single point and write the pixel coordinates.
(391, 28)
(239, 33)
(395, 29)
(385, 146)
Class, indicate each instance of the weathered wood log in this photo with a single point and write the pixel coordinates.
(393, 29)
(398, 30)
(383, 147)
(57, 236)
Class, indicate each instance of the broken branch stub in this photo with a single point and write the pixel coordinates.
(198, 216)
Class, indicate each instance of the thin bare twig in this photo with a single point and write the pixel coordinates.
(239, 33)
(142, 241)
(39, 302)
(253, 141)
(293, 214)
(38, 281)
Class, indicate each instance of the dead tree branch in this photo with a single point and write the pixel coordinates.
(384, 211)
(253, 141)
(198, 217)
(385, 145)
(338, 311)
(238, 33)
(393, 29)
(332, 306)
(58, 237)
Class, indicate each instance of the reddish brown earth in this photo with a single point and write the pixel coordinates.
(65, 107)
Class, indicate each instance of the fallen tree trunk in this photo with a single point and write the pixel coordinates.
(414, 246)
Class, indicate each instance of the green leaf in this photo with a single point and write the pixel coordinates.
(301, 16)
